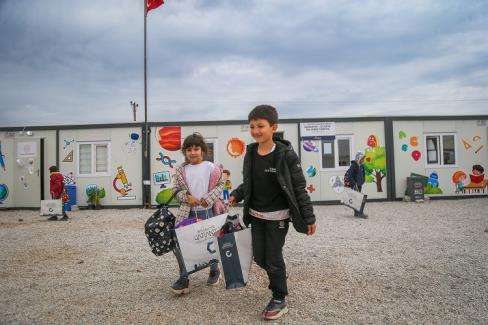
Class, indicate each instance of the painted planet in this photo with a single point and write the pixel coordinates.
(310, 146)
(416, 155)
(170, 138)
(134, 136)
(311, 171)
(235, 147)
(3, 192)
(402, 134)
(404, 147)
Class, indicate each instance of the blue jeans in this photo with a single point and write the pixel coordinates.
(200, 214)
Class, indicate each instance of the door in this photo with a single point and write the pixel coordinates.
(27, 172)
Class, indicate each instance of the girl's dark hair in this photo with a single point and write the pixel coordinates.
(53, 169)
(265, 112)
(195, 139)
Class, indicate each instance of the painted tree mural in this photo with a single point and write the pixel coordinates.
(375, 164)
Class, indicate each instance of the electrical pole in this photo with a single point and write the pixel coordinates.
(134, 109)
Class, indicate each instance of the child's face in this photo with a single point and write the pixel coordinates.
(476, 172)
(261, 130)
(194, 155)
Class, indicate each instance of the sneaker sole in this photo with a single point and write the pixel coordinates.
(277, 315)
(181, 291)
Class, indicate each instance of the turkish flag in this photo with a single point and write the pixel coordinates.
(153, 4)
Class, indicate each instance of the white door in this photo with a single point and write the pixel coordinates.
(27, 172)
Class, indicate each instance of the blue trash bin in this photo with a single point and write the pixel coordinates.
(71, 189)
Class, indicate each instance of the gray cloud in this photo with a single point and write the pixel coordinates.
(82, 61)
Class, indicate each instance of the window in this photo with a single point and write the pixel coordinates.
(93, 158)
(336, 153)
(211, 153)
(441, 149)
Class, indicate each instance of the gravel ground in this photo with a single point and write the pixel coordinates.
(409, 263)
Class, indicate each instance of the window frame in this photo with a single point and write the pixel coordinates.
(336, 167)
(440, 153)
(94, 144)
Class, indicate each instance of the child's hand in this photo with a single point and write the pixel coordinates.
(311, 229)
(192, 201)
(203, 203)
(231, 201)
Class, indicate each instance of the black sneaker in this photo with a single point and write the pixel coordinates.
(52, 218)
(213, 278)
(64, 218)
(181, 286)
(275, 309)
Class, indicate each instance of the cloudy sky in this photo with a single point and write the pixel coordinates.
(81, 61)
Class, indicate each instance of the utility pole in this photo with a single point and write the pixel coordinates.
(134, 109)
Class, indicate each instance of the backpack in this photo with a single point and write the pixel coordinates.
(159, 229)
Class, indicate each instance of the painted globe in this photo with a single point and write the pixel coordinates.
(3, 192)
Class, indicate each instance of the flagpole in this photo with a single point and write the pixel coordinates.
(146, 186)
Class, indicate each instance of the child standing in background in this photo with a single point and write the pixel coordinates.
(56, 187)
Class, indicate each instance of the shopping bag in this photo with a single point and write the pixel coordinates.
(196, 242)
(353, 199)
(235, 256)
(51, 208)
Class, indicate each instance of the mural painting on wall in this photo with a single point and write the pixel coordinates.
(311, 188)
(67, 143)
(337, 184)
(69, 157)
(131, 145)
(374, 162)
(122, 185)
(468, 145)
(3, 193)
(2, 157)
(69, 179)
(310, 146)
(414, 142)
(477, 184)
(166, 160)
(169, 138)
(311, 171)
(227, 185)
(162, 179)
(235, 147)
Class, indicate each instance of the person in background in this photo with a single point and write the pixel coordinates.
(56, 187)
(355, 176)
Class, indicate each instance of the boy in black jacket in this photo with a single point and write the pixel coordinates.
(274, 194)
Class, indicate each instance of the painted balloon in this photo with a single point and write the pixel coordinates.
(170, 138)
(310, 146)
(414, 141)
(235, 147)
(416, 155)
(404, 147)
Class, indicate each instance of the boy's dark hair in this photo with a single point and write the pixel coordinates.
(195, 139)
(479, 168)
(226, 171)
(265, 112)
(53, 169)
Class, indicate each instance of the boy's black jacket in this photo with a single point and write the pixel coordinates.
(290, 177)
